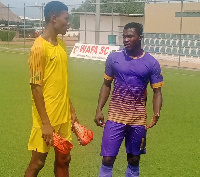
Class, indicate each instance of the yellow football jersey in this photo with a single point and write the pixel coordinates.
(49, 68)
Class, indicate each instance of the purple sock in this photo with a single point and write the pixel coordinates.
(132, 171)
(105, 171)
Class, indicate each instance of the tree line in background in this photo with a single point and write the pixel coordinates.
(8, 29)
(107, 6)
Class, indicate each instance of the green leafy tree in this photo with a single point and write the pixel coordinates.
(6, 35)
(119, 6)
(122, 6)
(107, 6)
(74, 21)
(87, 6)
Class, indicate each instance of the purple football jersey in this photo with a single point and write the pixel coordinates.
(131, 77)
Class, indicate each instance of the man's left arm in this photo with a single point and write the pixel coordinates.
(157, 104)
(73, 114)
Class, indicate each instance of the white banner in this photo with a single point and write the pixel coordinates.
(92, 51)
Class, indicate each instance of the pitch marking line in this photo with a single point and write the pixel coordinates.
(14, 52)
(89, 61)
(102, 62)
(182, 74)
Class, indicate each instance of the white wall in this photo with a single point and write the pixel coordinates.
(123, 21)
(90, 27)
(105, 25)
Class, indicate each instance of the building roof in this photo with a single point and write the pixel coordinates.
(4, 14)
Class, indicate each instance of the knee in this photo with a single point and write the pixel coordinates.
(108, 161)
(40, 164)
(36, 165)
(63, 160)
(133, 159)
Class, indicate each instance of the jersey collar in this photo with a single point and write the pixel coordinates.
(138, 57)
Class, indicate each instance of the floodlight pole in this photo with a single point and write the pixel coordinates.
(97, 25)
(43, 4)
(24, 25)
(112, 24)
(85, 26)
(41, 11)
(40, 17)
(180, 38)
(8, 26)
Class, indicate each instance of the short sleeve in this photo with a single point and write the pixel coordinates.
(156, 79)
(109, 73)
(36, 63)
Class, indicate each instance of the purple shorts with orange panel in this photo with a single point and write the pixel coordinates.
(113, 135)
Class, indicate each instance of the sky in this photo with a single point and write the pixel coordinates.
(17, 6)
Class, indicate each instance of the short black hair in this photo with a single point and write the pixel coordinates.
(138, 27)
(53, 8)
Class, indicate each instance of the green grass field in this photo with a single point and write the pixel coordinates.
(173, 145)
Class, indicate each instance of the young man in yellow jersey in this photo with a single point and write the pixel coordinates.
(52, 110)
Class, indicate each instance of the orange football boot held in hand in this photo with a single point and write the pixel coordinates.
(83, 134)
(61, 144)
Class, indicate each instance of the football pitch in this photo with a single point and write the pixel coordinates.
(173, 145)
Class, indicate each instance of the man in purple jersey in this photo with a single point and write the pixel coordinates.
(131, 69)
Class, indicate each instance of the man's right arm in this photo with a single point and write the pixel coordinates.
(47, 129)
(103, 97)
